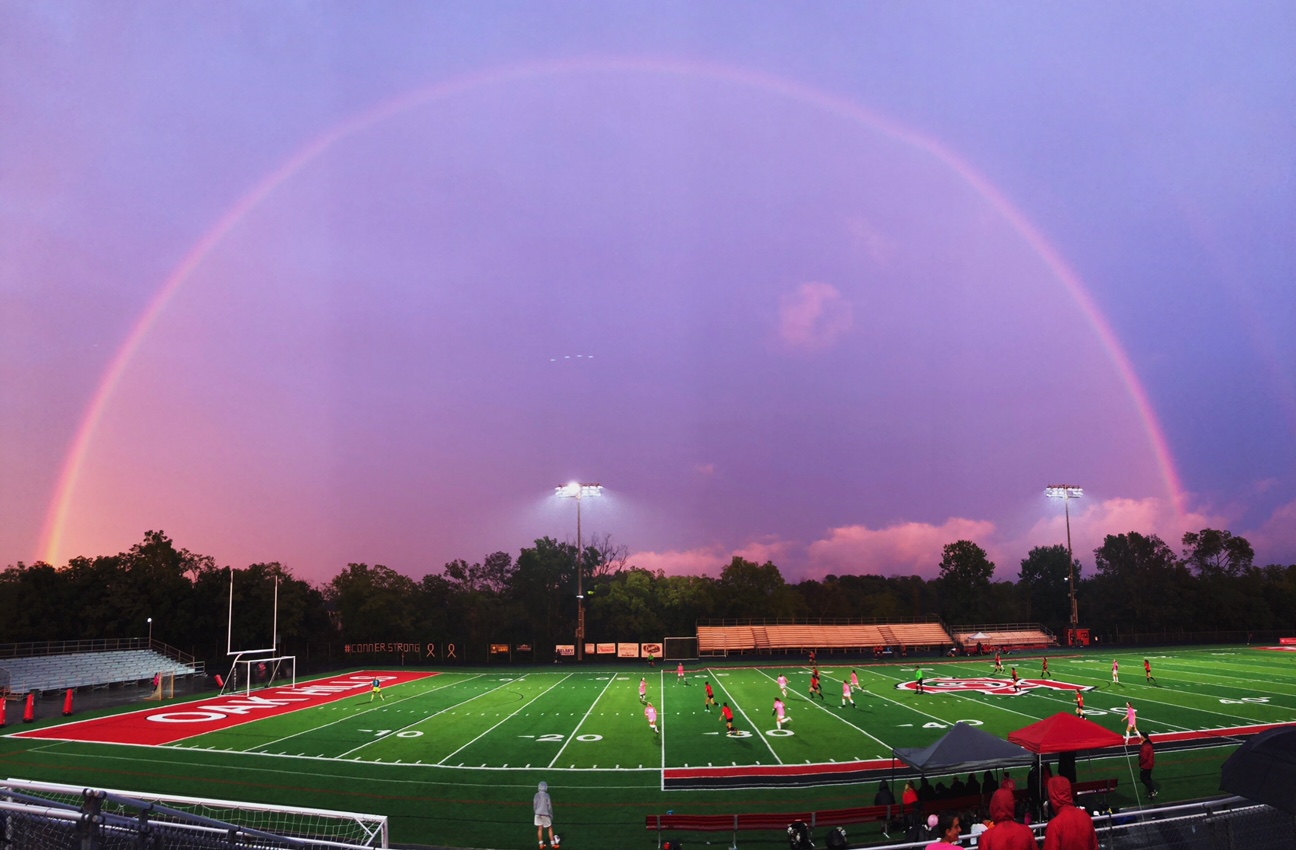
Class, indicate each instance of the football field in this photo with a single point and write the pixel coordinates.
(439, 749)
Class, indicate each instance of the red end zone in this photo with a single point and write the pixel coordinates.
(171, 723)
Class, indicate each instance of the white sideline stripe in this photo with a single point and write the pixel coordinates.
(506, 719)
(611, 679)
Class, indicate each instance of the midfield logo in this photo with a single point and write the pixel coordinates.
(1001, 687)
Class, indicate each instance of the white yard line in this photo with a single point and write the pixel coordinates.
(507, 718)
(358, 714)
(840, 717)
(611, 679)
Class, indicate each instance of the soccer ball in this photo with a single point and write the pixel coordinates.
(557, 840)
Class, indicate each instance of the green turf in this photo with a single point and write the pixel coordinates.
(453, 759)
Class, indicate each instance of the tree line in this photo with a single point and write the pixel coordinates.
(1139, 585)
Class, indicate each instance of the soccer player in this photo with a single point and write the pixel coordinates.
(679, 672)
(652, 659)
(998, 668)
(727, 713)
(780, 712)
(376, 691)
(783, 683)
(1115, 672)
(651, 714)
(855, 685)
(1044, 670)
(1131, 721)
(919, 671)
(1079, 703)
(643, 691)
(1147, 672)
(710, 700)
(1016, 681)
(846, 694)
(815, 687)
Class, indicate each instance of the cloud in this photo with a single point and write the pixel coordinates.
(1275, 540)
(909, 548)
(710, 560)
(813, 317)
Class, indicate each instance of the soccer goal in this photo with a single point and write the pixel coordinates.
(194, 822)
(163, 687)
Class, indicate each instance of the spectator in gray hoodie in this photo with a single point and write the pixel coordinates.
(544, 816)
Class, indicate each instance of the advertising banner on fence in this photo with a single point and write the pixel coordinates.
(627, 650)
(606, 648)
(653, 649)
(566, 650)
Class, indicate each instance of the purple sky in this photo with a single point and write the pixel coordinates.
(330, 282)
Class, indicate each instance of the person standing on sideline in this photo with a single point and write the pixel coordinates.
(783, 683)
(1147, 761)
(376, 690)
(1079, 703)
(855, 685)
(1115, 672)
(1147, 672)
(652, 659)
(1070, 828)
(1008, 833)
(1131, 722)
(780, 712)
(643, 691)
(651, 714)
(1044, 671)
(727, 713)
(543, 807)
(846, 694)
(710, 697)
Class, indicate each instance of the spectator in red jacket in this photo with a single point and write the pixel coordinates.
(1070, 828)
(1007, 833)
(1147, 761)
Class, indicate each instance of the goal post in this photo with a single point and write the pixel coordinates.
(253, 669)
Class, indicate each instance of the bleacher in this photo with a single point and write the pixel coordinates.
(87, 669)
(723, 639)
(1009, 637)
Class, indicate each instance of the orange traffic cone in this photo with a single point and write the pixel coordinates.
(29, 713)
(67, 702)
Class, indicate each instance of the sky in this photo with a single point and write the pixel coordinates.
(831, 285)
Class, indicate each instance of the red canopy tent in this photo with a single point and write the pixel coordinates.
(1064, 733)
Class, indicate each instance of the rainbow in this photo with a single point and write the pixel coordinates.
(56, 520)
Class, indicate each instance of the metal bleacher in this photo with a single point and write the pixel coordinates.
(25, 674)
(723, 638)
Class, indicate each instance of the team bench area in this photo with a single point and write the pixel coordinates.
(885, 815)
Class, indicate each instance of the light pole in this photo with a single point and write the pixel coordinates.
(150, 624)
(578, 490)
(1067, 492)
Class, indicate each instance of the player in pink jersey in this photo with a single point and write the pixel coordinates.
(643, 691)
(783, 683)
(651, 714)
(780, 712)
(846, 694)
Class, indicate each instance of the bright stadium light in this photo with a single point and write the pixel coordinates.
(579, 490)
(1067, 492)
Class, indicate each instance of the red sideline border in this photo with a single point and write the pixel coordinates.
(838, 773)
(167, 724)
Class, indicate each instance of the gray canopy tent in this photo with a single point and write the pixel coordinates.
(964, 748)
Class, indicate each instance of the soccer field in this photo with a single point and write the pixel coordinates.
(453, 756)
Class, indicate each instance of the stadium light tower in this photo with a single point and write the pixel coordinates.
(1067, 492)
(150, 624)
(579, 490)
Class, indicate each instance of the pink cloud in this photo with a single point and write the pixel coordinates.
(1275, 540)
(814, 316)
(710, 560)
(911, 548)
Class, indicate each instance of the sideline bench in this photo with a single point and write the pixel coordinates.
(773, 821)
